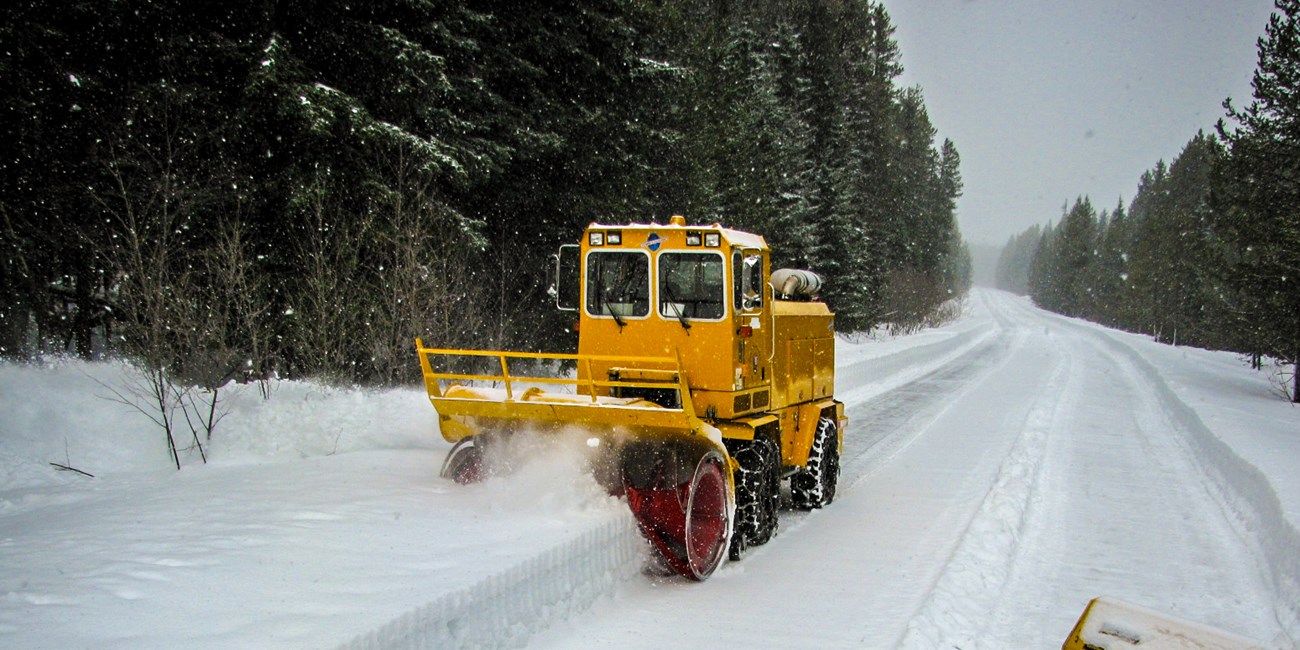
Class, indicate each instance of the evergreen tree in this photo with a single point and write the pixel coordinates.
(1044, 278)
(1173, 249)
(1261, 219)
(1073, 253)
(1110, 286)
(1015, 259)
(307, 187)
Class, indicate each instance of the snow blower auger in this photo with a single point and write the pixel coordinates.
(703, 385)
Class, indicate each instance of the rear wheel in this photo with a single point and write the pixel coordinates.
(814, 487)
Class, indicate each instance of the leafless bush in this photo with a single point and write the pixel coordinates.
(155, 191)
(916, 301)
(1282, 378)
(372, 282)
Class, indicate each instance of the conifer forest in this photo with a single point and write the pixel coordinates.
(303, 188)
(1207, 253)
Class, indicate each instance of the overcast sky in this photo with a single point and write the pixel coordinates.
(1047, 100)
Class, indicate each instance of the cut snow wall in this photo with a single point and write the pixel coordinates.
(504, 610)
(1246, 492)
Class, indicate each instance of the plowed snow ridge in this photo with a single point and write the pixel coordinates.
(505, 609)
(982, 562)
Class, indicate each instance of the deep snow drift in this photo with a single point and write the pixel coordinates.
(998, 472)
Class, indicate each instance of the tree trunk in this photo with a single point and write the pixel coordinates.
(1295, 375)
(14, 319)
(1295, 360)
(83, 319)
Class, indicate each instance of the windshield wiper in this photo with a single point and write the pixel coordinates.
(681, 317)
(604, 302)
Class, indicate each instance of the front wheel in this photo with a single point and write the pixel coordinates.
(758, 492)
(464, 463)
(814, 487)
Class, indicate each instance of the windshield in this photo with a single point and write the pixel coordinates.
(618, 284)
(691, 285)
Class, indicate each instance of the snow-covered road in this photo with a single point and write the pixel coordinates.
(984, 504)
(998, 473)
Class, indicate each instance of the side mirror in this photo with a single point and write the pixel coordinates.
(751, 283)
(567, 278)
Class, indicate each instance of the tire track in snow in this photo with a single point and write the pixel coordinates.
(882, 426)
(982, 562)
(913, 388)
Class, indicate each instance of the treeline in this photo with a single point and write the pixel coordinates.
(1208, 252)
(305, 187)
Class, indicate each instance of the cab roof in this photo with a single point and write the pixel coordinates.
(734, 237)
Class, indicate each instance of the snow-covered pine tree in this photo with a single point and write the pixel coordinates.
(1262, 220)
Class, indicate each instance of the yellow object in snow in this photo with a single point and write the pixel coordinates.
(1109, 624)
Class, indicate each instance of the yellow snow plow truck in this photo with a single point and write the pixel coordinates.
(703, 378)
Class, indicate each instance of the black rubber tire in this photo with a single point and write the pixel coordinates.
(465, 462)
(738, 546)
(758, 492)
(814, 487)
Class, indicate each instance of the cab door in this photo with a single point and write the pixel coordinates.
(752, 321)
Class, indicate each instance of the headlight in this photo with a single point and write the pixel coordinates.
(596, 239)
(713, 239)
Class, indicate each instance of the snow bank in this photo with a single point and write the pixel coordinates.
(304, 419)
(865, 370)
(65, 411)
(1248, 496)
(1244, 491)
(319, 517)
(73, 413)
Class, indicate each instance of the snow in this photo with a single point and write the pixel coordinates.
(998, 473)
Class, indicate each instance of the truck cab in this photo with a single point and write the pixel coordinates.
(758, 359)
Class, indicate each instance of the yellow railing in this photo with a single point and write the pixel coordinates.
(432, 377)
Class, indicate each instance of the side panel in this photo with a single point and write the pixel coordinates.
(799, 381)
(803, 367)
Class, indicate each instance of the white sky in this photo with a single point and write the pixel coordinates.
(1048, 100)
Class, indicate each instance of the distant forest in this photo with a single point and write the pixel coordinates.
(1208, 252)
(303, 188)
